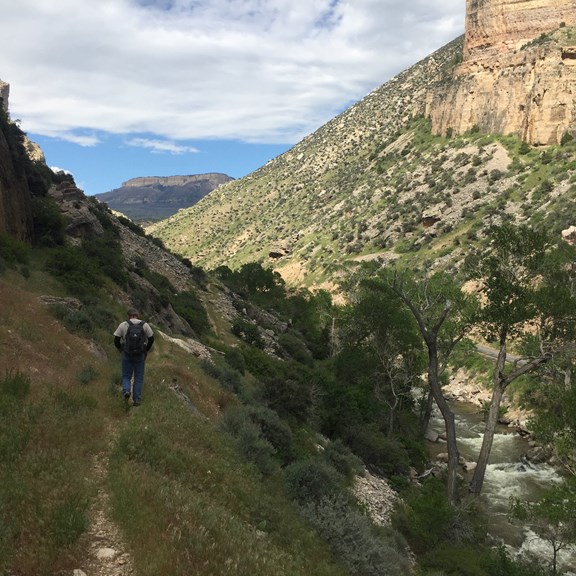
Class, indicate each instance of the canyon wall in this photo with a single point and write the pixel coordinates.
(518, 73)
(496, 26)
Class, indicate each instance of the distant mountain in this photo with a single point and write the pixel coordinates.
(154, 198)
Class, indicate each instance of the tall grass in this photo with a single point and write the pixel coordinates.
(190, 504)
(46, 439)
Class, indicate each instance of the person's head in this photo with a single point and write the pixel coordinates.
(132, 313)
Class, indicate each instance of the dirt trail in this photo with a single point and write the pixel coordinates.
(107, 553)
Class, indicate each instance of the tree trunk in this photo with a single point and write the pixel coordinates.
(490, 430)
(449, 421)
(497, 393)
(428, 410)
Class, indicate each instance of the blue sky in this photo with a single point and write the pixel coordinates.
(115, 89)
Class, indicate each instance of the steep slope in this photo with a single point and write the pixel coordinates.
(155, 198)
(299, 200)
(399, 172)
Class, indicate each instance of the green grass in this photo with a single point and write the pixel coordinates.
(189, 504)
(47, 438)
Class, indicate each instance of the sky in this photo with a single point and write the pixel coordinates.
(116, 89)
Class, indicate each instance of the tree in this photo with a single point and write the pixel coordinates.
(527, 298)
(391, 338)
(443, 314)
(553, 517)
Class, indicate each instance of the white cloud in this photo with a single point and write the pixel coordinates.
(252, 70)
(161, 146)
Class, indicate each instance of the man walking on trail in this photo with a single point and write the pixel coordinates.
(133, 338)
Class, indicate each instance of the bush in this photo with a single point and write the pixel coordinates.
(12, 251)
(363, 549)
(295, 348)
(312, 480)
(229, 378)
(190, 308)
(235, 359)
(87, 374)
(290, 396)
(387, 456)
(253, 445)
(248, 332)
(77, 273)
(343, 459)
(425, 508)
(48, 222)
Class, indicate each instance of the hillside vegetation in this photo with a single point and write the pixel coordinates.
(376, 184)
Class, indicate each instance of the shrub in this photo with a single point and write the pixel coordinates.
(289, 395)
(251, 442)
(229, 378)
(87, 374)
(363, 549)
(12, 251)
(235, 359)
(257, 449)
(385, 455)
(247, 332)
(48, 222)
(422, 509)
(312, 480)
(343, 459)
(295, 348)
(190, 308)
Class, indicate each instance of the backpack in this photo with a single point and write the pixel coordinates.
(135, 339)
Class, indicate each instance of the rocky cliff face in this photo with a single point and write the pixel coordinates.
(497, 26)
(4, 93)
(15, 200)
(518, 74)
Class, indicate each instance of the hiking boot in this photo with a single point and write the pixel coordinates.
(136, 403)
(126, 395)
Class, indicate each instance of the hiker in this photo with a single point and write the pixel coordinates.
(133, 338)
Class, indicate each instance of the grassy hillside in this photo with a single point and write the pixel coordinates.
(185, 500)
(195, 481)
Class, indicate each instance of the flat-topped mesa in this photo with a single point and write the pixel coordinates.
(499, 26)
(175, 180)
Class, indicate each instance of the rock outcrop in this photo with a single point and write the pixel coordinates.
(15, 200)
(4, 93)
(499, 26)
(518, 74)
(215, 178)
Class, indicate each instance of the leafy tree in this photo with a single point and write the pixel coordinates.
(389, 334)
(527, 297)
(443, 314)
(553, 517)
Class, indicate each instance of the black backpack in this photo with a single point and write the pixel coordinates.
(135, 339)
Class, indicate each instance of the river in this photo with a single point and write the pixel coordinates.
(508, 475)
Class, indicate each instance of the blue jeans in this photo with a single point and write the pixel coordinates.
(133, 366)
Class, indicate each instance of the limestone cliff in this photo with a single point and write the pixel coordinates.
(518, 74)
(496, 26)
